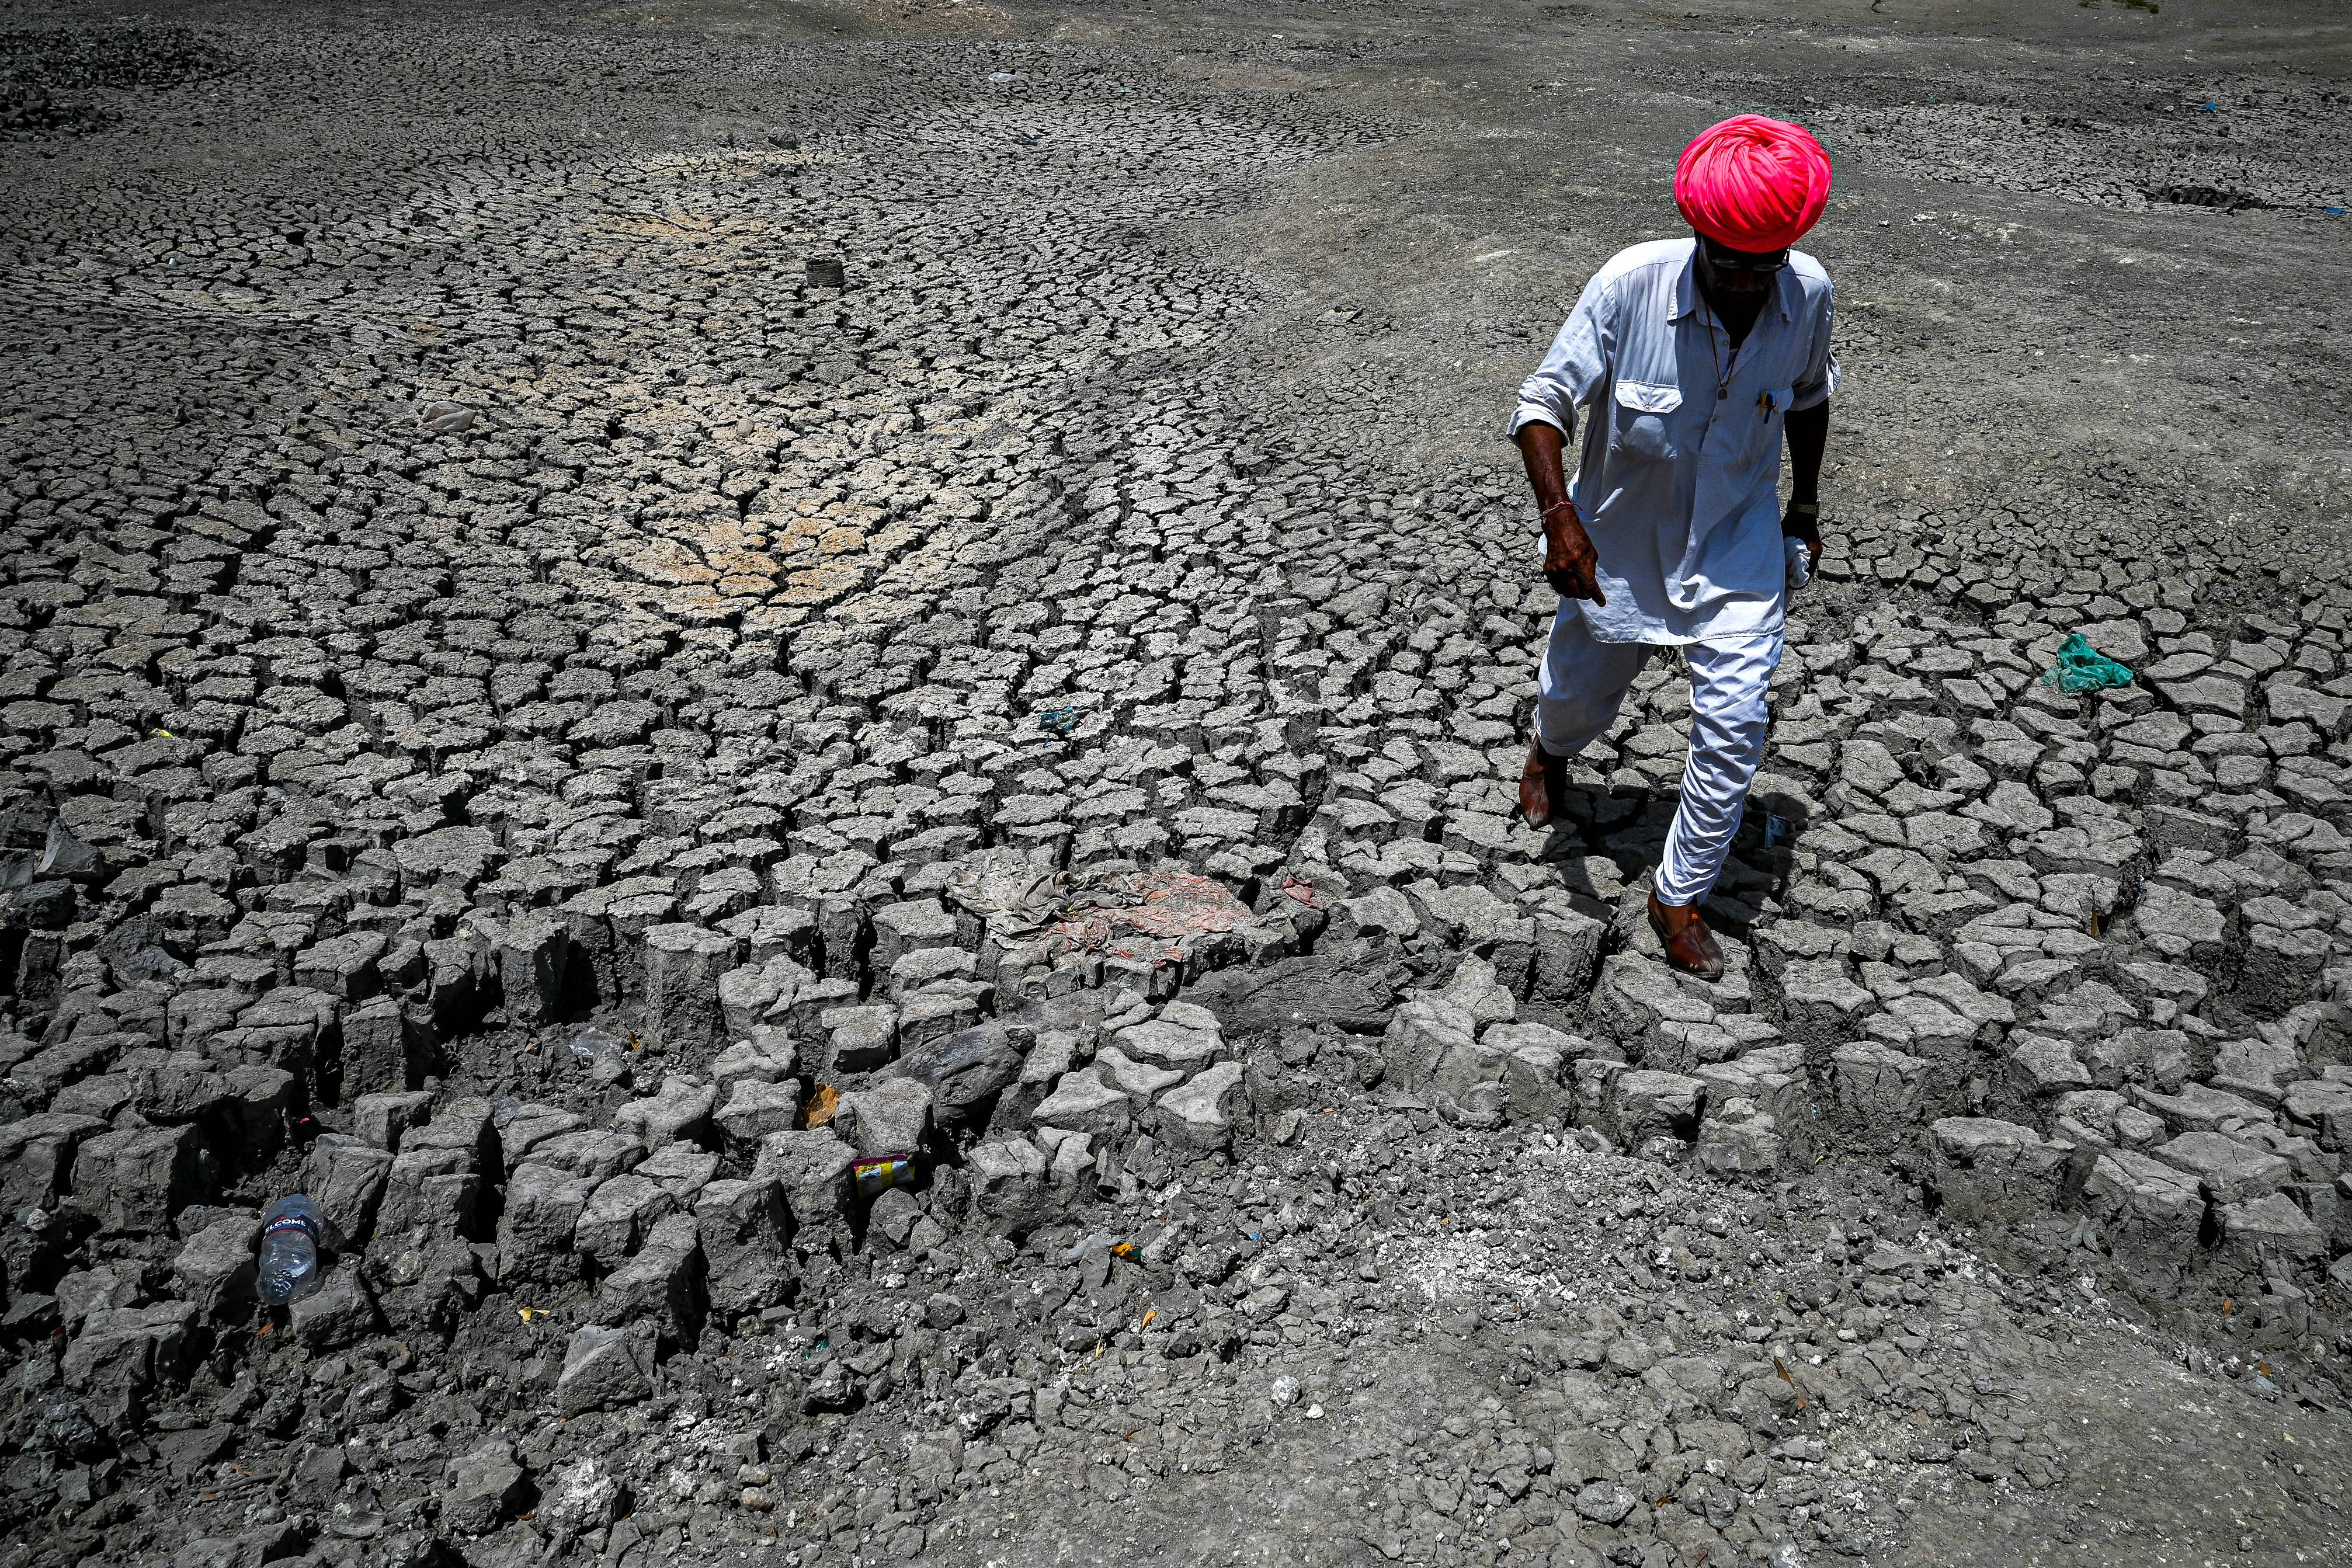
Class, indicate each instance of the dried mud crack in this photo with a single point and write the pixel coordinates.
(815, 713)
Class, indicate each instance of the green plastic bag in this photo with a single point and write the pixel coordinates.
(2083, 668)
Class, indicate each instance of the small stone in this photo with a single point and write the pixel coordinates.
(1605, 1502)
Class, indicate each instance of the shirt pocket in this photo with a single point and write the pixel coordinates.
(1772, 409)
(1644, 418)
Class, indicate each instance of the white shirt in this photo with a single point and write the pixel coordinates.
(1680, 490)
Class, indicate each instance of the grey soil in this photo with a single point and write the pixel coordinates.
(610, 612)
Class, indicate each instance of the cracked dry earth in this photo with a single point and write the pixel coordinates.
(613, 616)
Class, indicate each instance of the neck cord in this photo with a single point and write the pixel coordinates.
(1722, 370)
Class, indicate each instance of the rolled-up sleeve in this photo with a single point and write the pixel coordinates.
(1578, 362)
(1820, 382)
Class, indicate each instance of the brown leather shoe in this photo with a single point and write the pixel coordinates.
(1690, 945)
(1541, 783)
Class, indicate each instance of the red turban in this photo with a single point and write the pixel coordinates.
(1753, 183)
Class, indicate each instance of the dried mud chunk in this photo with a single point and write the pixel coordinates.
(136, 1179)
(745, 1227)
(1008, 1185)
(1985, 1170)
(1299, 993)
(1202, 1114)
(604, 1369)
(124, 1349)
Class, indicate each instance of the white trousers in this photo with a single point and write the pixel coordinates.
(1579, 689)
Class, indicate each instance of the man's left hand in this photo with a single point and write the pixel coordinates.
(1799, 561)
(1803, 521)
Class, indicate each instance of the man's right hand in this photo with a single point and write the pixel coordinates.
(1570, 564)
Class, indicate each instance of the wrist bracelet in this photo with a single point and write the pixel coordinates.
(1568, 507)
(1810, 508)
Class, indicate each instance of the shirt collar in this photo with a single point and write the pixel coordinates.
(1687, 300)
(1686, 294)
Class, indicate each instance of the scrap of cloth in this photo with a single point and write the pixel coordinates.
(1753, 183)
(1679, 482)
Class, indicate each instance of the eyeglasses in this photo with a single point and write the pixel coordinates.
(1722, 259)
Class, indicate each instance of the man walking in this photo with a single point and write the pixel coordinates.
(1693, 357)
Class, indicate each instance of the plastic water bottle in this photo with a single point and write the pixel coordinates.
(290, 1248)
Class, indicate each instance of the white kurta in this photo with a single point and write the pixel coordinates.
(1679, 488)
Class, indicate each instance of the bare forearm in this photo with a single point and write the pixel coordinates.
(1539, 450)
(1808, 438)
(1570, 564)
